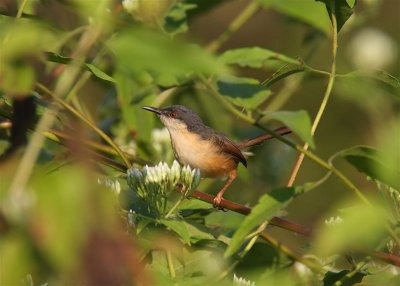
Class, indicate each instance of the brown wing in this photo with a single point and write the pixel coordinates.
(228, 147)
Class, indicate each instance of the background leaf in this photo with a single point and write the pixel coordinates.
(99, 73)
(362, 227)
(245, 92)
(369, 161)
(139, 49)
(307, 11)
(254, 57)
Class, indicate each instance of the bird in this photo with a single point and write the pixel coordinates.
(200, 146)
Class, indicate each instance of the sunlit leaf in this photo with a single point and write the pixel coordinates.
(99, 73)
(98, 11)
(307, 11)
(144, 50)
(57, 58)
(362, 227)
(298, 121)
(267, 207)
(370, 161)
(19, 52)
(244, 92)
(59, 214)
(254, 57)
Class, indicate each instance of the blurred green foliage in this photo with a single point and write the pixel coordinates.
(76, 209)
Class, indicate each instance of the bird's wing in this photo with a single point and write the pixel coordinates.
(227, 146)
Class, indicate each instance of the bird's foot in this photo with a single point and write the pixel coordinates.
(217, 203)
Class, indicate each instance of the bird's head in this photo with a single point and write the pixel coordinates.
(177, 117)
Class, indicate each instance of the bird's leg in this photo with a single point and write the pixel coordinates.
(218, 198)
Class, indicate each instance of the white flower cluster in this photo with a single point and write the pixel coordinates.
(239, 281)
(154, 184)
(333, 221)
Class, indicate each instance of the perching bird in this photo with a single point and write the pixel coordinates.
(202, 147)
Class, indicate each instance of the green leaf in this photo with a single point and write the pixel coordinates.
(141, 50)
(307, 11)
(268, 206)
(379, 75)
(283, 72)
(298, 121)
(244, 92)
(370, 161)
(254, 57)
(331, 277)
(99, 73)
(179, 227)
(341, 9)
(57, 58)
(176, 20)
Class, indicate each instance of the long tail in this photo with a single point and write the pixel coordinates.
(259, 139)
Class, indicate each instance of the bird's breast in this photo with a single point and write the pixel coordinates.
(193, 150)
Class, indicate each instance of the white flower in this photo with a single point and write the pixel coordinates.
(130, 6)
(332, 221)
(372, 49)
(239, 281)
(302, 270)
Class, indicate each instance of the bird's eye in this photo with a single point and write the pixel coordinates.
(173, 114)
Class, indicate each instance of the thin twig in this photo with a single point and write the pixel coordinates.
(234, 26)
(170, 263)
(21, 9)
(324, 102)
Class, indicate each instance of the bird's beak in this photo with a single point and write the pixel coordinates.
(153, 109)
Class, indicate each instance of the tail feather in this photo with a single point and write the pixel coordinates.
(260, 139)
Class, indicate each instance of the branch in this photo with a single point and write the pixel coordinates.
(238, 208)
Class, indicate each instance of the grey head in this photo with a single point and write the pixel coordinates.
(179, 117)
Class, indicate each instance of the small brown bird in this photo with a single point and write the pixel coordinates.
(202, 147)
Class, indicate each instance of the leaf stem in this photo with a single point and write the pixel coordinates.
(351, 274)
(235, 25)
(170, 263)
(290, 253)
(178, 202)
(324, 102)
(21, 9)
